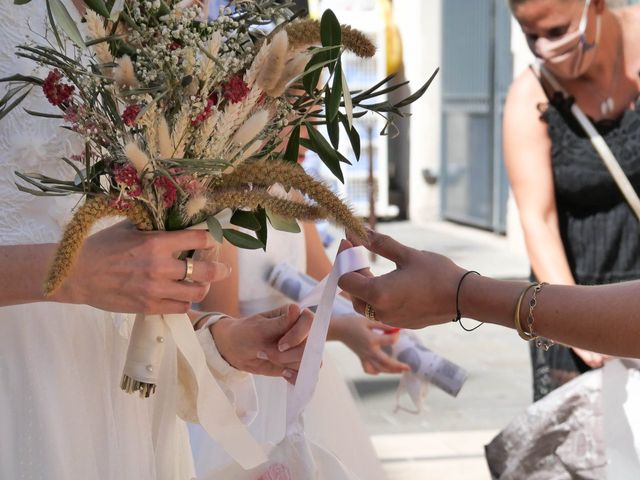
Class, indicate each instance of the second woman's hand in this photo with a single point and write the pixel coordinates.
(367, 340)
(121, 269)
(421, 291)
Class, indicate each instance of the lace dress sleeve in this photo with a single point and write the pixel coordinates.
(237, 385)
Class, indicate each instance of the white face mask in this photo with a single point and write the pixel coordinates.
(570, 55)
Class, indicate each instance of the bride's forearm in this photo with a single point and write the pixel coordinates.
(599, 318)
(24, 269)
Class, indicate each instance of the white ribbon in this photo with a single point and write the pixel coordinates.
(323, 295)
(215, 412)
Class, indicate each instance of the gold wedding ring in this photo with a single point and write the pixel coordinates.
(188, 271)
(369, 312)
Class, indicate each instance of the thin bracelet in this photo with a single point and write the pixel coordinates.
(210, 317)
(516, 315)
(541, 343)
(458, 317)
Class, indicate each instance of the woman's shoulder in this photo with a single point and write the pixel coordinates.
(629, 15)
(630, 22)
(526, 93)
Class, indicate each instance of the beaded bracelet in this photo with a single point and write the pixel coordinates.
(530, 334)
(541, 342)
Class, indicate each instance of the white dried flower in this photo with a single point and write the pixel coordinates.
(194, 206)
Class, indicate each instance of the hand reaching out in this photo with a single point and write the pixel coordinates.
(421, 291)
(367, 339)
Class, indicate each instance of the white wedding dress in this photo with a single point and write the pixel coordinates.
(62, 413)
(332, 419)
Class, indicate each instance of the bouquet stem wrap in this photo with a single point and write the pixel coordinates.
(146, 347)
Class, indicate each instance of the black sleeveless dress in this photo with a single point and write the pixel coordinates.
(600, 232)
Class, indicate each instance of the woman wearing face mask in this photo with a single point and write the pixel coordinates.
(578, 227)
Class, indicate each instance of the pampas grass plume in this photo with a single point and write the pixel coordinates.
(292, 69)
(137, 157)
(251, 128)
(194, 206)
(124, 74)
(96, 29)
(273, 66)
(165, 144)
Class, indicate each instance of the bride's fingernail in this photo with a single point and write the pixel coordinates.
(283, 347)
(287, 373)
(262, 356)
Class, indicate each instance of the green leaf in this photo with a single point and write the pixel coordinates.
(262, 234)
(4, 111)
(348, 102)
(64, 20)
(330, 34)
(174, 219)
(312, 76)
(368, 91)
(43, 115)
(325, 151)
(283, 224)
(332, 97)
(244, 219)
(412, 98)
(98, 6)
(293, 146)
(215, 229)
(80, 175)
(242, 240)
(22, 78)
(354, 136)
(108, 39)
(333, 129)
(21, 2)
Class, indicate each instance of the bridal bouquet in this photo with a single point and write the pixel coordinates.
(183, 117)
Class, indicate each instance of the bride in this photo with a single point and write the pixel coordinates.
(62, 413)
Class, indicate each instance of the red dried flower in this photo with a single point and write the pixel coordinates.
(189, 183)
(126, 175)
(212, 101)
(168, 189)
(57, 93)
(130, 114)
(235, 90)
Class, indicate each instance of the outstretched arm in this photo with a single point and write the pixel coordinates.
(422, 292)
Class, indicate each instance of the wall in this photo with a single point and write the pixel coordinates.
(419, 24)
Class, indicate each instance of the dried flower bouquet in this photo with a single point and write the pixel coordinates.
(183, 117)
